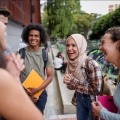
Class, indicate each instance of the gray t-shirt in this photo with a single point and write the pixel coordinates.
(34, 60)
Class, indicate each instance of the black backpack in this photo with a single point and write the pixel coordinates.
(44, 56)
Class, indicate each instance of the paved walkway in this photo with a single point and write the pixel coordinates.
(54, 107)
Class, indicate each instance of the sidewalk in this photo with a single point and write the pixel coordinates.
(54, 104)
(56, 107)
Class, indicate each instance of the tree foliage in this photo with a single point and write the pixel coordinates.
(58, 16)
(105, 22)
(83, 22)
(64, 17)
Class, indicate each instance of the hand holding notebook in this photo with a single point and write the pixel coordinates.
(108, 103)
(33, 80)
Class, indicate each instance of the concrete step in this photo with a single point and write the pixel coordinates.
(66, 94)
(64, 117)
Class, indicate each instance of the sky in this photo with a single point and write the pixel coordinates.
(97, 6)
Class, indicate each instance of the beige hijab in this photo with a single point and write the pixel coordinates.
(74, 67)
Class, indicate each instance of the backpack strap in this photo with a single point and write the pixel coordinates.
(87, 72)
(45, 57)
(87, 67)
(22, 53)
(102, 86)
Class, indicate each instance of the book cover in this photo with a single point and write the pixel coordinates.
(108, 103)
(33, 81)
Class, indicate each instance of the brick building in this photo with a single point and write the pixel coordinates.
(113, 7)
(23, 13)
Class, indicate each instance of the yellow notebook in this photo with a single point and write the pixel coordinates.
(33, 81)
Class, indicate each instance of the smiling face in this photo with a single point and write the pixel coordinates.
(34, 38)
(109, 49)
(72, 49)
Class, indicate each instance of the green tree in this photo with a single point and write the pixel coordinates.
(58, 16)
(83, 22)
(64, 17)
(105, 22)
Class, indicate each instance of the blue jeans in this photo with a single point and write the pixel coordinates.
(84, 110)
(42, 101)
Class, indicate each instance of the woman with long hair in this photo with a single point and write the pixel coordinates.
(110, 46)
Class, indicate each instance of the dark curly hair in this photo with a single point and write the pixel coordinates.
(58, 54)
(34, 26)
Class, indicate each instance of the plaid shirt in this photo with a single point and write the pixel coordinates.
(91, 80)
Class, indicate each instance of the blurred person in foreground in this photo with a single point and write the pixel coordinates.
(110, 46)
(14, 102)
(5, 14)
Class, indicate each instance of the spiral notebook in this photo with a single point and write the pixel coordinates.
(33, 80)
(108, 103)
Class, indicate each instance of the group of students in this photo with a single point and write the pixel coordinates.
(83, 74)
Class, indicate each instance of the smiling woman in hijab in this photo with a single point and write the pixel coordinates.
(83, 75)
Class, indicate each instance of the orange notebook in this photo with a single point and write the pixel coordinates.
(33, 81)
